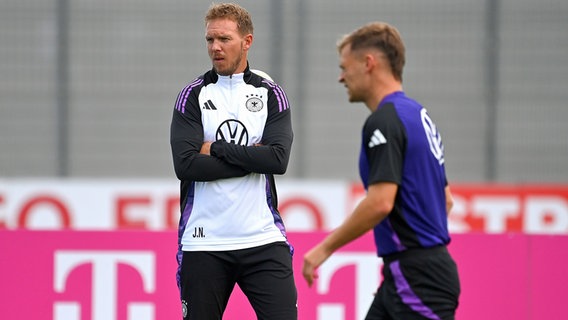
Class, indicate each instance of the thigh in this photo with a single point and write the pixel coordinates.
(378, 309)
(426, 288)
(207, 280)
(267, 280)
(395, 302)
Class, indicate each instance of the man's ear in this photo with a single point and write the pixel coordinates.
(370, 61)
(248, 41)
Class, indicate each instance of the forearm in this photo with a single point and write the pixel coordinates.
(271, 155)
(363, 219)
(374, 208)
(186, 142)
(205, 168)
(266, 159)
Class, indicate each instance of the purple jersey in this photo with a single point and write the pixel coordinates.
(402, 145)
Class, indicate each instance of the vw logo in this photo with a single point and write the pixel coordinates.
(233, 131)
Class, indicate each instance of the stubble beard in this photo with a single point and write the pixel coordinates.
(351, 97)
(232, 67)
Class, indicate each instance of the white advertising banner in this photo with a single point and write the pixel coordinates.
(148, 204)
(305, 205)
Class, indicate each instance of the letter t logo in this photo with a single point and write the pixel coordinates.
(366, 282)
(104, 282)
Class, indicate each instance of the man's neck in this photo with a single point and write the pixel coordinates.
(382, 91)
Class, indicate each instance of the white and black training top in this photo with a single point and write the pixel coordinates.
(228, 200)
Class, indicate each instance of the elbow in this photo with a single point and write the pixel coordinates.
(182, 169)
(449, 200)
(449, 204)
(381, 208)
(280, 169)
(179, 174)
(382, 198)
(177, 170)
(281, 163)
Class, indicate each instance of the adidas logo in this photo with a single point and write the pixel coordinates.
(208, 105)
(377, 139)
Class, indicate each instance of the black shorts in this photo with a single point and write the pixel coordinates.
(417, 284)
(263, 273)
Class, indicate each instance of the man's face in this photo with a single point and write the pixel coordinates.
(227, 48)
(352, 73)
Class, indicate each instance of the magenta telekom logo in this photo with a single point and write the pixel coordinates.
(104, 280)
(367, 278)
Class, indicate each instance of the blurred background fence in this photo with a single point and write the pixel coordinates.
(87, 86)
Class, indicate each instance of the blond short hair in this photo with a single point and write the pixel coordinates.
(380, 36)
(232, 12)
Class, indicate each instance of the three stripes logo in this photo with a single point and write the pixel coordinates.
(377, 139)
(208, 105)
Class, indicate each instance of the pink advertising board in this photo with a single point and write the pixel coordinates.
(127, 275)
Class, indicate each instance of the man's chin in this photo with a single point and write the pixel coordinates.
(354, 99)
(222, 71)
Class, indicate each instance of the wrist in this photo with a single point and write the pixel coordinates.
(215, 148)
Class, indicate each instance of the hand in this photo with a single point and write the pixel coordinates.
(312, 260)
(206, 148)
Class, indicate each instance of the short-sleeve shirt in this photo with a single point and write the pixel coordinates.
(401, 144)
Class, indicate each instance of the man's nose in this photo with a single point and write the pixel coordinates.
(215, 45)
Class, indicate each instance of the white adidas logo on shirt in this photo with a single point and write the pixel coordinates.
(377, 139)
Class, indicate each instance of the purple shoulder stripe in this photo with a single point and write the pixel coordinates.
(184, 94)
(280, 95)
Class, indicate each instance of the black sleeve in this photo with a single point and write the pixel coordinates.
(186, 139)
(385, 144)
(272, 156)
